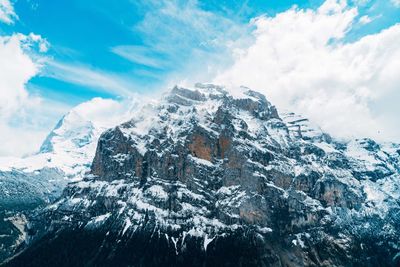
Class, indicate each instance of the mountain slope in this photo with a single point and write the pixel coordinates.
(206, 177)
(65, 155)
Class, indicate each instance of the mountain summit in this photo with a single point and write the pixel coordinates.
(214, 177)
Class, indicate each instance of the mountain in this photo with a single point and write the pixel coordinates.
(210, 176)
(66, 155)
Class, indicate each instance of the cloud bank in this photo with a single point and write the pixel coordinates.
(301, 61)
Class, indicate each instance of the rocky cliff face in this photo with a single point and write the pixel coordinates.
(206, 178)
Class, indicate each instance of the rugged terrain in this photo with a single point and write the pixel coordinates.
(207, 177)
(35, 181)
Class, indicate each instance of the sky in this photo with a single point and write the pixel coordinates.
(335, 62)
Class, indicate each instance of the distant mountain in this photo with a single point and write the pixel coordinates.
(210, 176)
(65, 155)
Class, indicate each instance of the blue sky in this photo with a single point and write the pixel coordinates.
(113, 49)
(97, 34)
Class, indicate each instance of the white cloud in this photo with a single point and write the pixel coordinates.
(300, 63)
(365, 19)
(107, 113)
(19, 141)
(16, 69)
(21, 114)
(396, 3)
(7, 14)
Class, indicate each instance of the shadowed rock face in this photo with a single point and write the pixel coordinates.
(203, 178)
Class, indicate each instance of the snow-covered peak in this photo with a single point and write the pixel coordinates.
(204, 91)
(182, 109)
(71, 145)
(82, 125)
(71, 132)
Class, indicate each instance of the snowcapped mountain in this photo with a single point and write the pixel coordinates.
(208, 177)
(65, 155)
(71, 145)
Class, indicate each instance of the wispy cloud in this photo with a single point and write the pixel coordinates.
(175, 27)
(182, 39)
(7, 13)
(141, 55)
(88, 76)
